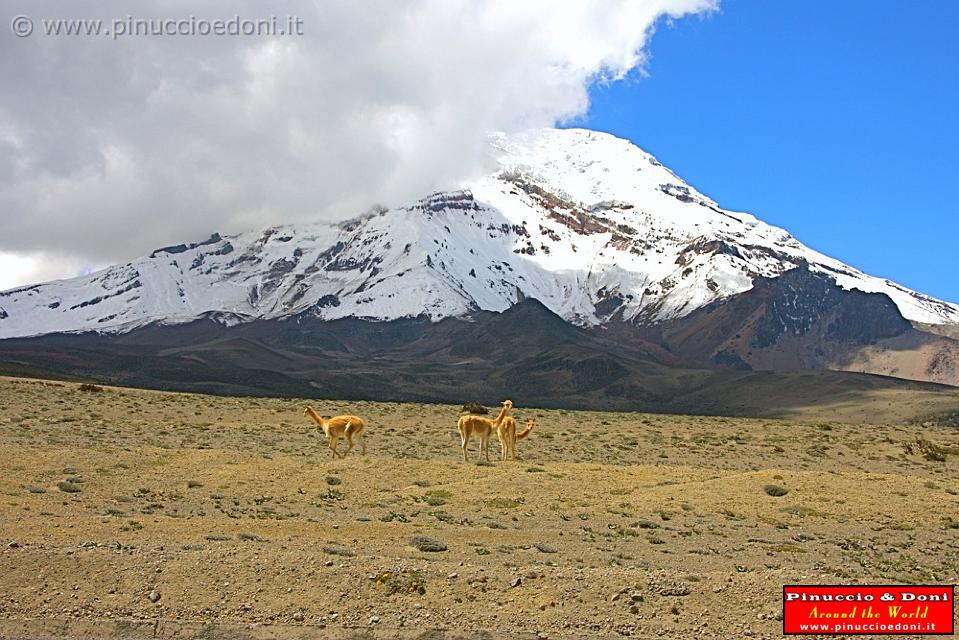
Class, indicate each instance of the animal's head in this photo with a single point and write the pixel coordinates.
(530, 422)
(306, 411)
(507, 404)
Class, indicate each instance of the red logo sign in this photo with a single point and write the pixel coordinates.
(872, 610)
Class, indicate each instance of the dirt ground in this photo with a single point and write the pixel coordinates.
(139, 513)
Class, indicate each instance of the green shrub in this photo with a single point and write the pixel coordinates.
(69, 487)
(775, 490)
(428, 544)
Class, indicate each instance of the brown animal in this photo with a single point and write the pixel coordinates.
(508, 436)
(339, 426)
(483, 427)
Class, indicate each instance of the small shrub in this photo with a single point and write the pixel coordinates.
(93, 388)
(932, 451)
(193, 484)
(68, 487)
(474, 408)
(408, 582)
(775, 490)
(392, 516)
(542, 547)
(333, 481)
(428, 544)
(332, 495)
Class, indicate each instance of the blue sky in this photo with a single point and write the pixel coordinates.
(838, 121)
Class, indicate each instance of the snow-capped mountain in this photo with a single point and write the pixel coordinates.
(589, 224)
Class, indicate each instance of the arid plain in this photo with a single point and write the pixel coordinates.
(133, 513)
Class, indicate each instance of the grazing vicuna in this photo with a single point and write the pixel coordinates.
(508, 436)
(482, 427)
(350, 427)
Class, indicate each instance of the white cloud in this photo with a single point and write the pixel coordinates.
(111, 148)
(18, 269)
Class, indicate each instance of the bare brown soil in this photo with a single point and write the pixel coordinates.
(143, 513)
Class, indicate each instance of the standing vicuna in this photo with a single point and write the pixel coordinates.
(483, 427)
(349, 426)
(507, 436)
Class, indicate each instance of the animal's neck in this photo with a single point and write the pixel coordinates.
(502, 414)
(319, 419)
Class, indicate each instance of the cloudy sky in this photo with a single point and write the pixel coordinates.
(112, 146)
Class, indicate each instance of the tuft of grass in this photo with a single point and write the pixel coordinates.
(775, 490)
(505, 503)
(193, 484)
(338, 551)
(428, 544)
(474, 408)
(93, 388)
(787, 548)
(333, 480)
(545, 548)
(437, 497)
(218, 537)
(250, 537)
(68, 487)
(802, 511)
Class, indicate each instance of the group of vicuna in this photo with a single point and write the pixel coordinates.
(351, 429)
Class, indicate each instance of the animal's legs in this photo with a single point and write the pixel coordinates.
(348, 434)
(334, 443)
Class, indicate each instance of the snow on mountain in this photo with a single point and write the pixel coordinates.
(589, 224)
